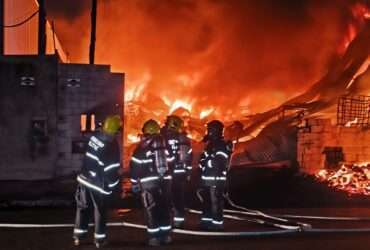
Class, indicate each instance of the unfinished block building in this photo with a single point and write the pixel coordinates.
(48, 110)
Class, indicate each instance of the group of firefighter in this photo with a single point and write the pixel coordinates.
(160, 169)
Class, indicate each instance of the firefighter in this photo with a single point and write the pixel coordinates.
(151, 177)
(180, 151)
(97, 181)
(214, 162)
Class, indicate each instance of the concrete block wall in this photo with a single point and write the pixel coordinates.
(321, 133)
(95, 89)
(19, 105)
(53, 101)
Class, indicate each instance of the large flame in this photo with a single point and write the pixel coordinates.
(206, 112)
(213, 53)
(360, 14)
(136, 88)
(133, 138)
(214, 59)
(178, 104)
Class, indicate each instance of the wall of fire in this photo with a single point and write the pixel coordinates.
(47, 112)
(322, 144)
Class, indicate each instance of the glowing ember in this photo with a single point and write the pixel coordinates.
(350, 123)
(354, 179)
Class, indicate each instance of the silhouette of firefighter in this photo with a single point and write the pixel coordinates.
(180, 151)
(97, 181)
(150, 176)
(214, 162)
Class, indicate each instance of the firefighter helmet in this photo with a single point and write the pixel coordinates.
(151, 127)
(112, 124)
(174, 122)
(215, 129)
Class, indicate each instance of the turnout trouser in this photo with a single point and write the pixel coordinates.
(90, 203)
(156, 201)
(213, 205)
(178, 198)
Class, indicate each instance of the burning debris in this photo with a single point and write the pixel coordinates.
(352, 178)
(211, 73)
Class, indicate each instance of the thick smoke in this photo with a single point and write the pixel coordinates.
(221, 53)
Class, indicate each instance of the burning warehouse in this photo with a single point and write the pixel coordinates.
(224, 103)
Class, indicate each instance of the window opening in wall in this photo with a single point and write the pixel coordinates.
(92, 122)
(26, 74)
(83, 119)
(333, 157)
(87, 123)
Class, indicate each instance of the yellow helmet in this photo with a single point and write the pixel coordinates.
(151, 127)
(112, 124)
(174, 122)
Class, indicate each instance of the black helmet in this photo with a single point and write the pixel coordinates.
(175, 123)
(151, 127)
(215, 130)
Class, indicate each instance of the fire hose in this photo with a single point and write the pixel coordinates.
(140, 226)
(258, 213)
(250, 212)
(296, 225)
(309, 217)
(284, 229)
(290, 227)
(200, 233)
(293, 229)
(254, 220)
(246, 211)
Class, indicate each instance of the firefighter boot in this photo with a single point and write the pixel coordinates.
(79, 240)
(154, 242)
(100, 243)
(166, 239)
(76, 241)
(217, 227)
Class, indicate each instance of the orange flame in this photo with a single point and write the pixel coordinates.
(133, 93)
(360, 13)
(354, 179)
(133, 138)
(206, 112)
(350, 123)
